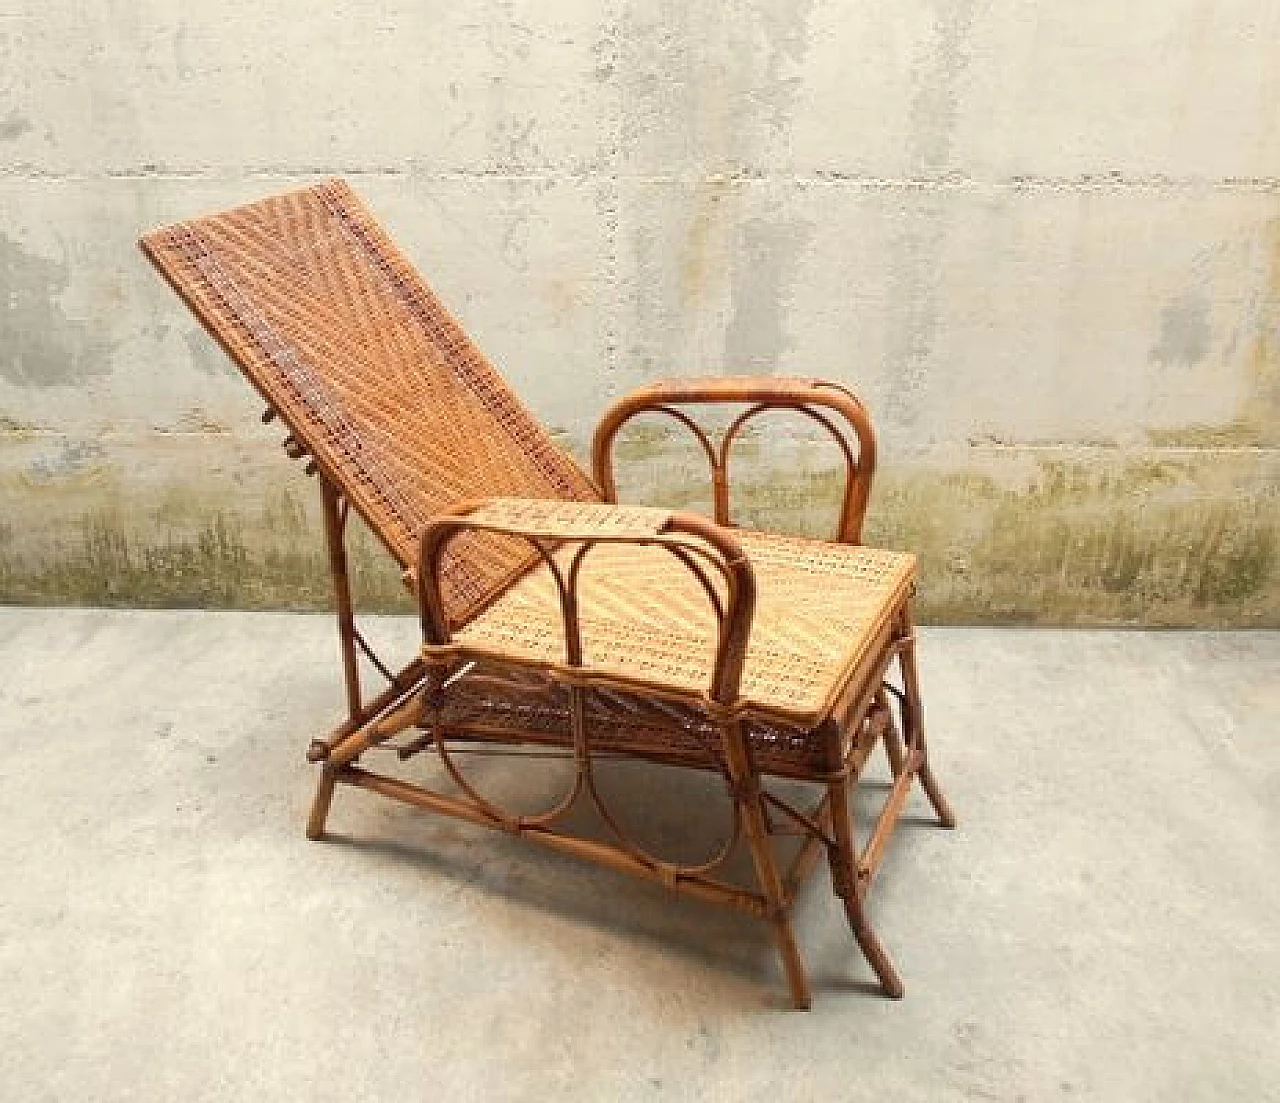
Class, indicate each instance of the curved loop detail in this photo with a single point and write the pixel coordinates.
(850, 510)
(563, 523)
(698, 433)
(661, 865)
(548, 526)
(573, 647)
(811, 397)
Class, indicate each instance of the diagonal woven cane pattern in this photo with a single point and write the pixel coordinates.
(646, 621)
(347, 343)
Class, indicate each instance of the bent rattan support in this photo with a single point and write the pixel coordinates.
(554, 620)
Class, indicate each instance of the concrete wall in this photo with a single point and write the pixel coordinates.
(1042, 240)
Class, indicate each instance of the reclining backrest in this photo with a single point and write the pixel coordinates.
(345, 341)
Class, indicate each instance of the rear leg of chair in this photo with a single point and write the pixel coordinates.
(846, 881)
(320, 803)
(913, 723)
(936, 796)
(893, 748)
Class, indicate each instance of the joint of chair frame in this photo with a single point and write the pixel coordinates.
(441, 657)
(573, 677)
(832, 385)
(318, 751)
(720, 713)
(775, 910)
(844, 881)
(745, 789)
(666, 873)
(903, 643)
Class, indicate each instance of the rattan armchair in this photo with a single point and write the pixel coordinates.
(554, 618)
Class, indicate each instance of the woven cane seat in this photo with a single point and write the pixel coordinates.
(646, 623)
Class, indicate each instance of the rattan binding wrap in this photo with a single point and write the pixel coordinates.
(372, 375)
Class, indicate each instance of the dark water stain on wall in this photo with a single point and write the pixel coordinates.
(1257, 422)
(712, 85)
(935, 102)
(1185, 332)
(763, 267)
(39, 345)
(919, 236)
(13, 127)
(784, 28)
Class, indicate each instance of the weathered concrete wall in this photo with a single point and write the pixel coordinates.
(1043, 241)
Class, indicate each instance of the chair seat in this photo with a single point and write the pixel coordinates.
(646, 622)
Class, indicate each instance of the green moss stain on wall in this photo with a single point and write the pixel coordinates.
(119, 529)
(1025, 536)
(1004, 534)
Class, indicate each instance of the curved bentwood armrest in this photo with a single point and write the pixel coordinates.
(816, 399)
(548, 526)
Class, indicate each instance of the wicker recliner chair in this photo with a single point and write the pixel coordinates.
(552, 616)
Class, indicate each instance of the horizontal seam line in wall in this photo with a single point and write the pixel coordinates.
(1093, 446)
(1029, 446)
(1023, 183)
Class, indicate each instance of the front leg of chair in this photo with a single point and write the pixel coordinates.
(847, 880)
(746, 793)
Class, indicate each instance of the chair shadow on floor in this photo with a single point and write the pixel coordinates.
(683, 803)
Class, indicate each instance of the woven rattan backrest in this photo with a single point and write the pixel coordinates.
(371, 374)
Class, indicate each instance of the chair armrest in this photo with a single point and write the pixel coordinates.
(817, 399)
(549, 525)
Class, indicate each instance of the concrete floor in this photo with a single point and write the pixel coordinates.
(1104, 925)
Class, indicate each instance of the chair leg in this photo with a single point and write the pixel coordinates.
(844, 879)
(767, 875)
(872, 949)
(320, 803)
(793, 963)
(913, 722)
(936, 796)
(893, 748)
(746, 794)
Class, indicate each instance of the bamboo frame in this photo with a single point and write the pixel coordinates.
(827, 828)
(533, 493)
